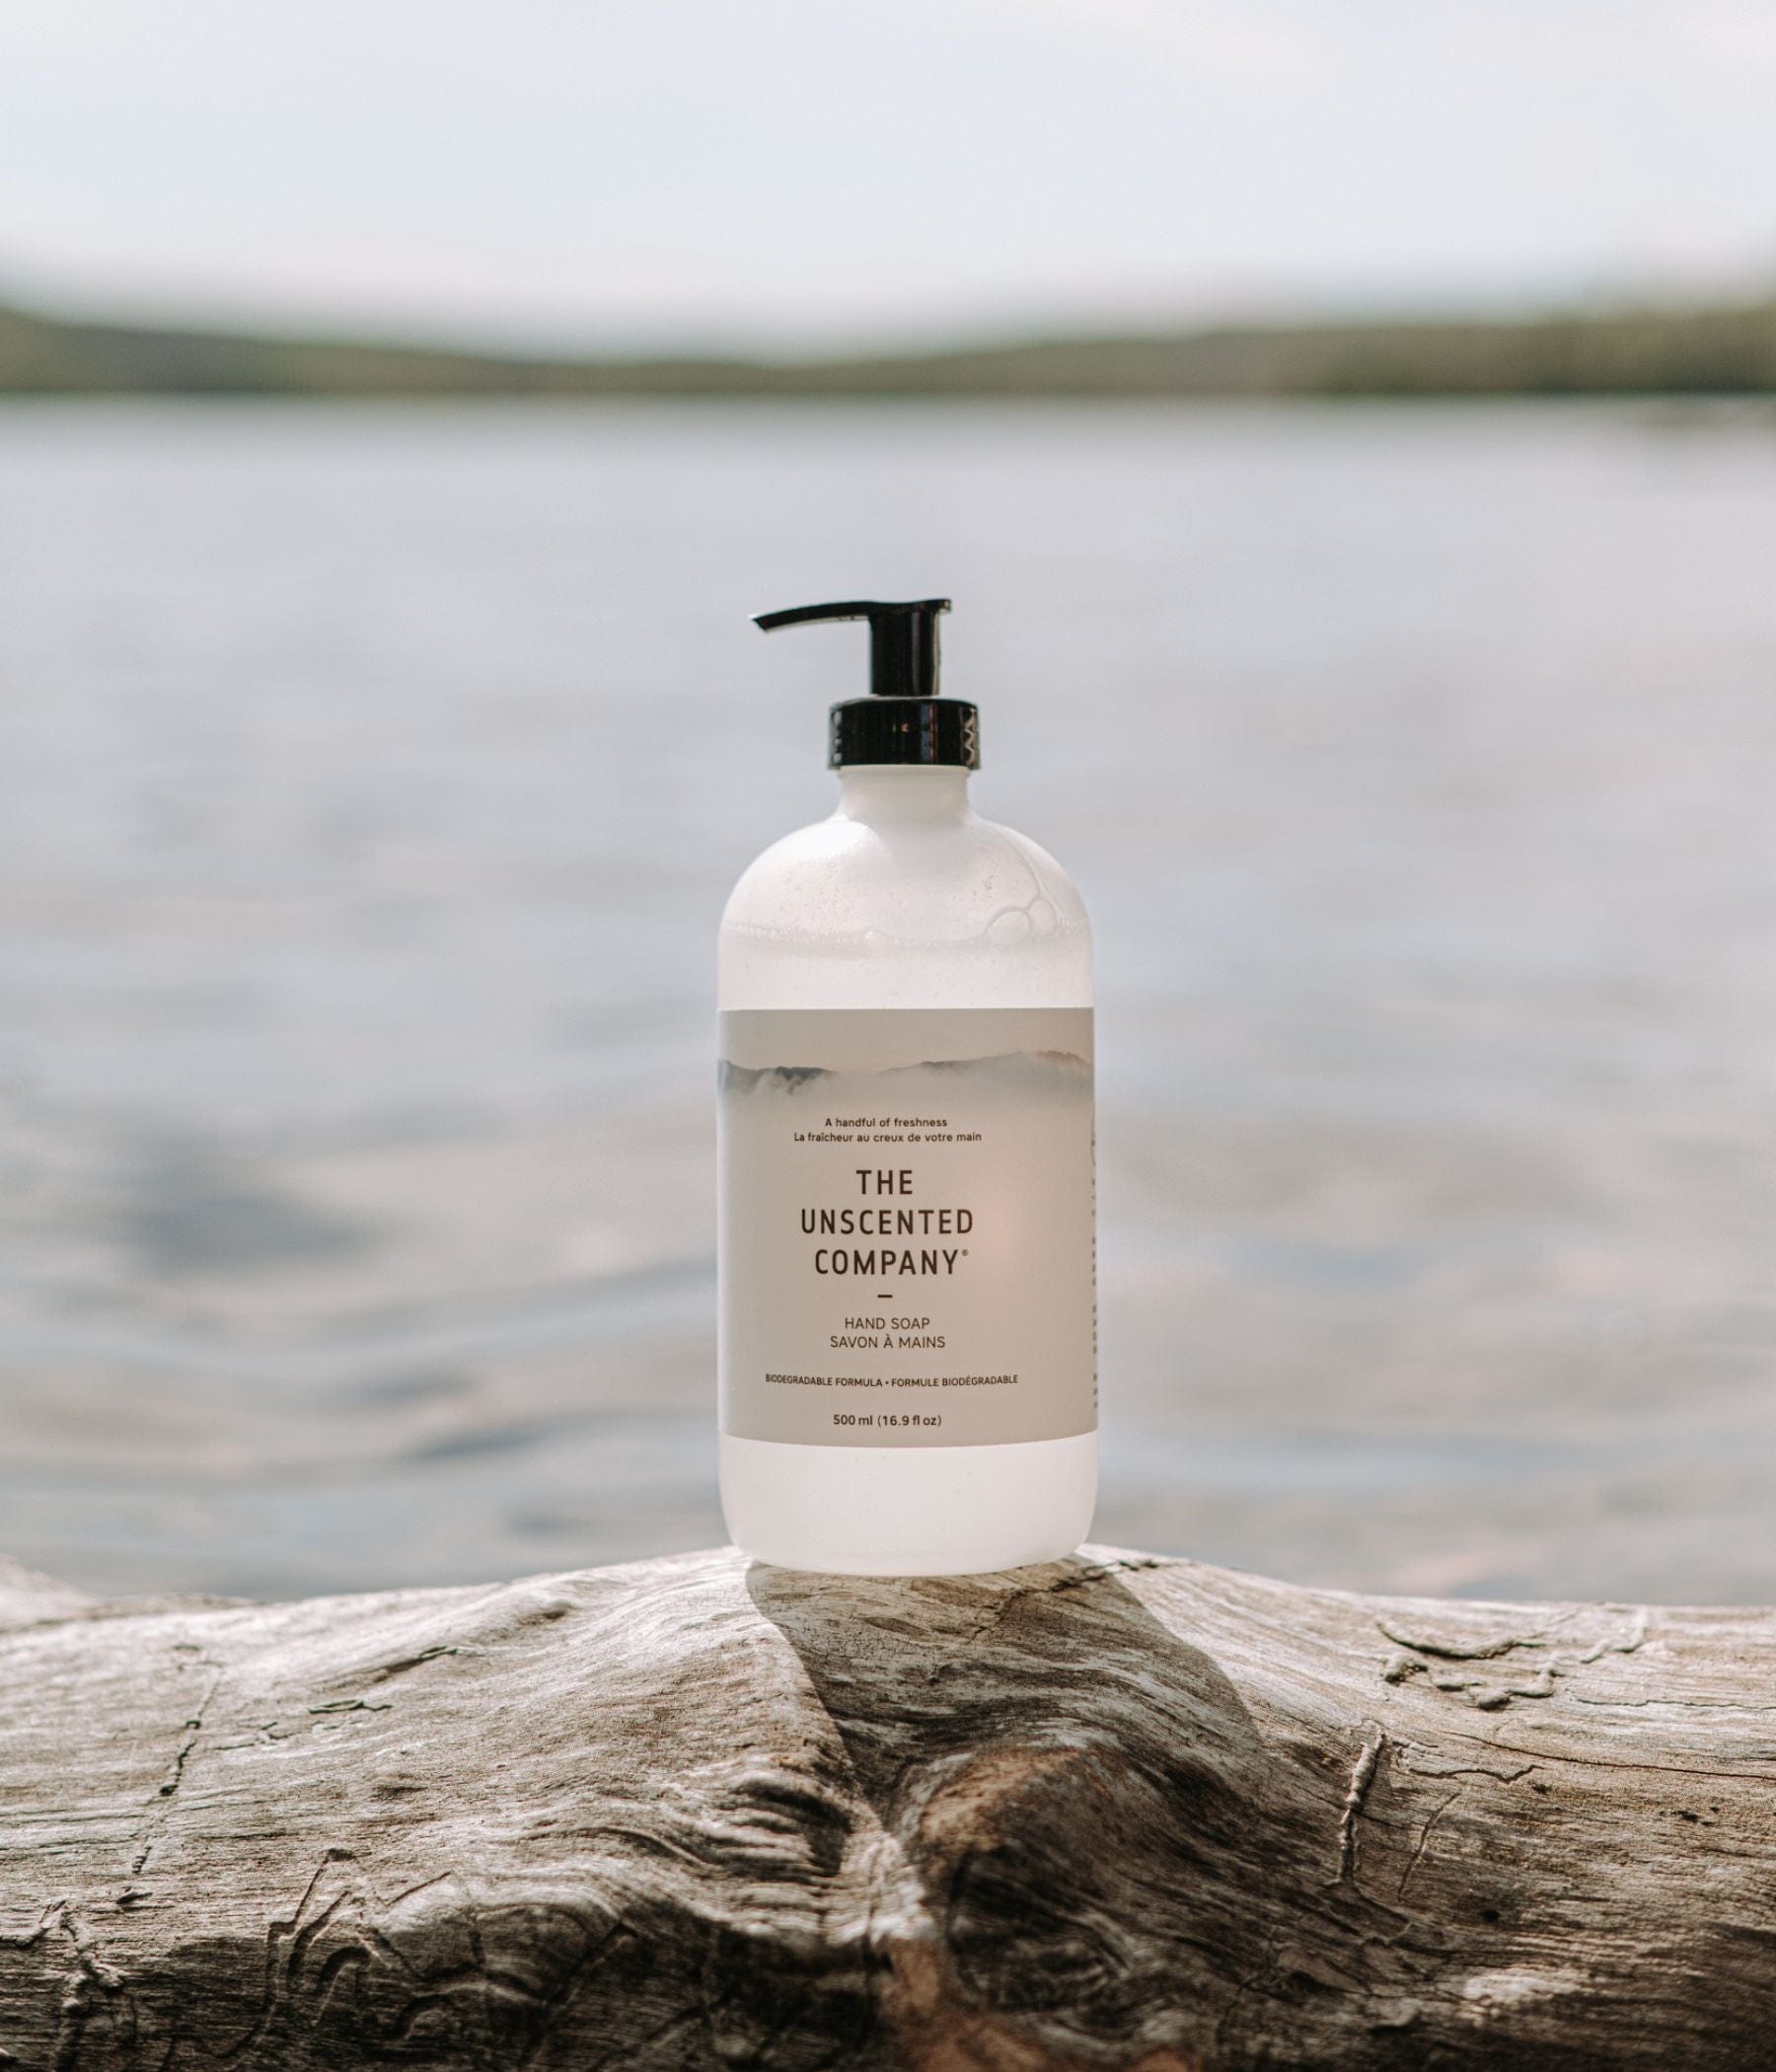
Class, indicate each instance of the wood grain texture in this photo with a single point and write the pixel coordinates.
(1117, 1812)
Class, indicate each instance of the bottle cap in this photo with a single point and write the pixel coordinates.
(903, 719)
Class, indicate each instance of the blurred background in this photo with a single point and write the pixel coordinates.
(1349, 435)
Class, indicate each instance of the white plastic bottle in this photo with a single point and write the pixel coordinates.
(907, 1219)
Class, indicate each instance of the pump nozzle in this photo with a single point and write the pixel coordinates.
(903, 719)
(903, 639)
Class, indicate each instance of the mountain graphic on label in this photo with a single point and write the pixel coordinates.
(1019, 1072)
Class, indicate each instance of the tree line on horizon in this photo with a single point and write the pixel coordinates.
(1718, 350)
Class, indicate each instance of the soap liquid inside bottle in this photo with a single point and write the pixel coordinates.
(905, 899)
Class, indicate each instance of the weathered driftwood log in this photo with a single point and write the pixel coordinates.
(1116, 1813)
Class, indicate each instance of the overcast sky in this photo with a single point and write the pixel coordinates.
(594, 172)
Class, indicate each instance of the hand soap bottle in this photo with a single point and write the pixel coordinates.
(908, 1363)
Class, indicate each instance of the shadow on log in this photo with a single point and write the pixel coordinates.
(1117, 1812)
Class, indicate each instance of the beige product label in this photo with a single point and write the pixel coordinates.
(907, 1225)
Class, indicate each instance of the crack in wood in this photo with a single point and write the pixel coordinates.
(1419, 1655)
(168, 1790)
(1362, 1776)
(1424, 1839)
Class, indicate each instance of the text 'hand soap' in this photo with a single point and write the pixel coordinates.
(909, 1334)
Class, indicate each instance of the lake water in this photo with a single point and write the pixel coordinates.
(370, 783)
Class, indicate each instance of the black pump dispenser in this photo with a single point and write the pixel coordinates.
(903, 719)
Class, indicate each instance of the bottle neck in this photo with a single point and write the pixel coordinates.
(903, 792)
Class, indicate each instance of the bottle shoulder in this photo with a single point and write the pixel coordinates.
(961, 912)
(840, 868)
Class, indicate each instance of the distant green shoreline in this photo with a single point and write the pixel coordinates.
(1723, 350)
